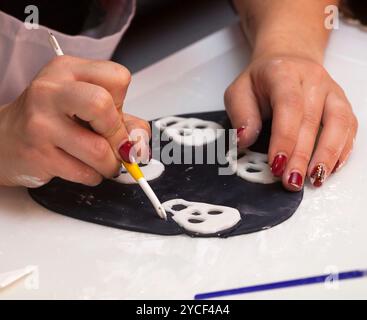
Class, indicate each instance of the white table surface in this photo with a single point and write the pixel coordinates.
(328, 233)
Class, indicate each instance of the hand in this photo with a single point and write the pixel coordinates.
(68, 123)
(300, 96)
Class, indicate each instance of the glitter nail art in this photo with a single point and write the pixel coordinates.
(318, 175)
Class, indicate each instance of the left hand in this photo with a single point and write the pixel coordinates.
(300, 96)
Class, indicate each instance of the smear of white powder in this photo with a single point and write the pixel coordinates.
(29, 181)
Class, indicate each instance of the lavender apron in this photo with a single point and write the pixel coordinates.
(24, 52)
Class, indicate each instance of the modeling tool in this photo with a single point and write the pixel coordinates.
(137, 174)
(325, 278)
(133, 168)
(54, 44)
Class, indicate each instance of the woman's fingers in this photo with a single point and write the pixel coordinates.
(112, 76)
(94, 91)
(243, 111)
(87, 146)
(72, 169)
(299, 94)
(296, 169)
(71, 121)
(286, 98)
(94, 104)
(338, 124)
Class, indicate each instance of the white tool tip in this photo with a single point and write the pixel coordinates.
(153, 198)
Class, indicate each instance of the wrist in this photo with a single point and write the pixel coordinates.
(277, 45)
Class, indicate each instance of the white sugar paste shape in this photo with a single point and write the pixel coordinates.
(10, 277)
(202, 218)
(251, 166)
(189, 131)
(151, 171)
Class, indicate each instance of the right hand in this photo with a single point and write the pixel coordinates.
(44, 133)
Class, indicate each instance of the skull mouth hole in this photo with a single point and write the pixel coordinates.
(195, 221)
(215, 212)
(252, 170)
(178, 207)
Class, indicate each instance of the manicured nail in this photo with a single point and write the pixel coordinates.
(278, 165)
(336, 167)
(318, 175)
(125, 151)
(296, 180)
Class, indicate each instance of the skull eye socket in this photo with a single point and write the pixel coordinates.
(185, 133)
(195, 221)
(215, 212)
(178, 207)
(196, 213)
(142, 165)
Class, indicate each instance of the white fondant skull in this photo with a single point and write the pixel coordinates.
(251, 166)
(189, 131)
(202, 218)
(151, 171)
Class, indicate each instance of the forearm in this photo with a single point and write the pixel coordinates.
(285, 27)
(3, 140)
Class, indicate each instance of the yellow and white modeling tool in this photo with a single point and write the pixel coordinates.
(137, 174)
(133, 168)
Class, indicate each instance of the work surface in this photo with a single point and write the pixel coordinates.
(328, 233)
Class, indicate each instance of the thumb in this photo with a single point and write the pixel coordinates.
(139, 133)
(243, 111)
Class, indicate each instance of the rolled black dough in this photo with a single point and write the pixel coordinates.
(123, 206)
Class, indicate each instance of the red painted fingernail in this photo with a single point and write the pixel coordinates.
(336, 167)
(125, 151)
(278, 165)
(318, 175)
(295, 179)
